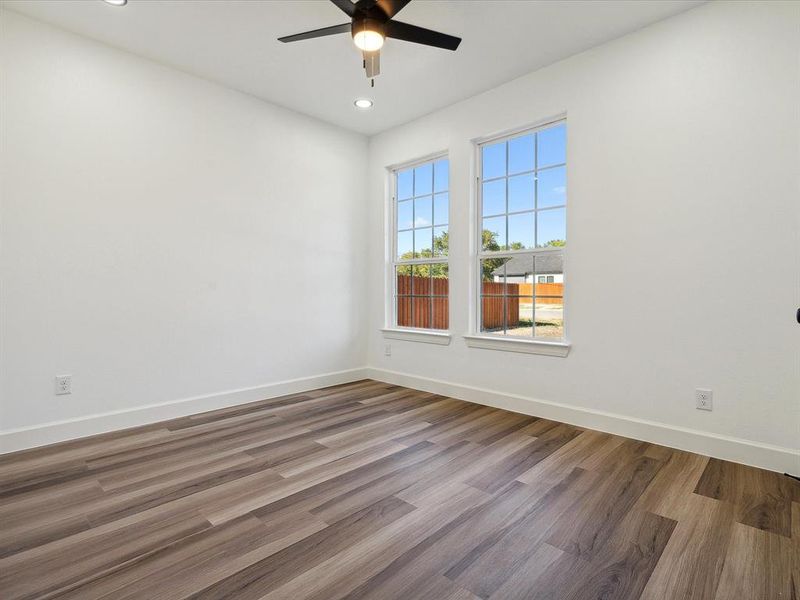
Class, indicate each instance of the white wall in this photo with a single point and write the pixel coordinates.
(683, 152)
(163, 237)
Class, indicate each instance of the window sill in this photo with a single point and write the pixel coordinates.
(560, 349)
(418, 335)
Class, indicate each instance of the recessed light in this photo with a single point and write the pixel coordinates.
(116, 2)
(363, 103)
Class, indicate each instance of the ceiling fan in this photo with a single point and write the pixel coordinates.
(372, 21)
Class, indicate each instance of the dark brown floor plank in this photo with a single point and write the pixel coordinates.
(692, 562)
(168, 493)
(622, 570)
(516, 464)
(62, 568)
(355, 566)
(258, 579)
(593, 518)
(443, 548)
(619, 573)
(173, 560)
(498, 556)
(316, 495)
(31, 537)
(758, 566)
(763, 499)
(390, 484)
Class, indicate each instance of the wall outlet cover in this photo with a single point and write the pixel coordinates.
(63, 384)
(703, 399)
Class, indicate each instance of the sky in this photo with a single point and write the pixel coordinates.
(523, 193)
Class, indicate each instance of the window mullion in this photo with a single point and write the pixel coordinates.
(413, 223)
(506, 195)
(533, 299)
(535, 199)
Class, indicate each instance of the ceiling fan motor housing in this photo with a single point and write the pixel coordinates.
(368, 24)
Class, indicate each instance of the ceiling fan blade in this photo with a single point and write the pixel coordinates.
(347, 7)
(307, 35)
(392, 7)
(420, 35)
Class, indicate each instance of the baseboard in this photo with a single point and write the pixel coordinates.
(766, 456)
(774, 458)
(60, 431)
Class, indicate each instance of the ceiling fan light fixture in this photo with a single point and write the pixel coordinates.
(368, 40)
(116, 2)
(368, 35)
(363, 103)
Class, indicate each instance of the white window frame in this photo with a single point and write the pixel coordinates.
(492, 341)
(392, 330)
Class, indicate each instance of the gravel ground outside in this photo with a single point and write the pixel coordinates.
(549, 319)
(555, 331)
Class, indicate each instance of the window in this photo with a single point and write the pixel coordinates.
(421, 206)
(522, 231)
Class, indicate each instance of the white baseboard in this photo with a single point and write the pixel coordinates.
(60, 431)
(766, 456)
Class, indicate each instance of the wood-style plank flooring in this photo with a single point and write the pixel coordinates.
(369, 490)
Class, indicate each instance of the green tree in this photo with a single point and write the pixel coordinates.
(489, 244)
(441, 247)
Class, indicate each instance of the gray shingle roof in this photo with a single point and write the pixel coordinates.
(546, 264)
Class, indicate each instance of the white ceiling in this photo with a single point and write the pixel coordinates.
(234, 43)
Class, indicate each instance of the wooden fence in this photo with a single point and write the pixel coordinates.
(422, 286)
(543, 289)
(431, 310)
(492, 306)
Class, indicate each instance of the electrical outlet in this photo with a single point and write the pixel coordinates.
(703, 399)
(387, 350)
(63, 384)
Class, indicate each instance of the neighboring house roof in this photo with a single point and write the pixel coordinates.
(546, 264)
